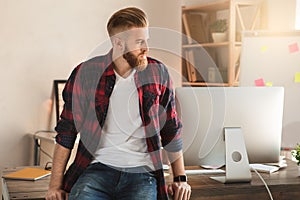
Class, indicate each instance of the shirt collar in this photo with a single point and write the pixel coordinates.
(109, 71)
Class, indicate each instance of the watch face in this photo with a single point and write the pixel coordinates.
(181, 178)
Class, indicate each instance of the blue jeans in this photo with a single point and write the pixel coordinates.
(100, 182)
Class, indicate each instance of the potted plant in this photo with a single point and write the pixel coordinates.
(296, 155)
(218, 30)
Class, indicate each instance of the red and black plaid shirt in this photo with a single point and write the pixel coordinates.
(86, 97)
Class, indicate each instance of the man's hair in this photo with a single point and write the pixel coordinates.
(125, 19)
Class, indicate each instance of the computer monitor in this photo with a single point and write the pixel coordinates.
(205, 111)
(273, 58)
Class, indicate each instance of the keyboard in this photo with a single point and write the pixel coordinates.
(204, 171)
(264, 168)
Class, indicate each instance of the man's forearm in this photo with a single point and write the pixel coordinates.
(60, 160)
(177, 163)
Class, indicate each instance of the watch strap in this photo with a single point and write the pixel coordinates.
(181, 178)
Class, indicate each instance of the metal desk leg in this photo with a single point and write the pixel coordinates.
(36, 151)
(5, 194)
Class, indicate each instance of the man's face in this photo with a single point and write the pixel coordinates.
(136, 48)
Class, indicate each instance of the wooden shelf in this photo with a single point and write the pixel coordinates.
(206, 45)
(220, 5)
(195, 25)
(219, 44)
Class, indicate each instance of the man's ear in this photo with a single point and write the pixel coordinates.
(118, 43)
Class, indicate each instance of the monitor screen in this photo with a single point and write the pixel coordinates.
(205, 111)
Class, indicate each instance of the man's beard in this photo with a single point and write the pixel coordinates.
(135, 62)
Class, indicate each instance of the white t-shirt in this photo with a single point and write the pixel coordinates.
(123, 142)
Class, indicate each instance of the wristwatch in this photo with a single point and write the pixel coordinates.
(181, 178)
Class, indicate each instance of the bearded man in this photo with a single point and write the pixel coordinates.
(122, 104)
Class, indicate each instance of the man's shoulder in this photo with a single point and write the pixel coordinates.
(94, 64)
(99, 61)
(91, 70)
(154, 63)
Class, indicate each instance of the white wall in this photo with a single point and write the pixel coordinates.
(280, 15)
(44, 40)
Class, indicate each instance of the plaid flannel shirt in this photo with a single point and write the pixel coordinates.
(86, 97)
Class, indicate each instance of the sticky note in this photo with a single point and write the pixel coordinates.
(259, 82)
(297, 77)
(293, 48)
(263, 48)
(269, 84)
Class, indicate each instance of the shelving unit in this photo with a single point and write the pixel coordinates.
(223, 56)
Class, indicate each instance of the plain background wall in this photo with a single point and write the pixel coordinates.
(280, 14)
(44, 40)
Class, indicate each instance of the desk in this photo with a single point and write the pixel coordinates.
(19, 189)
(283, 184)
(45, 142)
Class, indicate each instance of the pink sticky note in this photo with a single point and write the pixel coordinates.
(259, 82)
(293, 48)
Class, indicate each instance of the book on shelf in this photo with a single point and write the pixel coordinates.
(28, 173)
(188, 65)
(192, 74)
(194, 28)
(237, 53)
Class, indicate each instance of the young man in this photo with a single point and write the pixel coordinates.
(123, 106)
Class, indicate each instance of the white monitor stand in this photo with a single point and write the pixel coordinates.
(237, 164)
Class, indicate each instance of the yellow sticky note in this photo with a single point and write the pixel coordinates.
(269, 84)
(297, 77)
(263, 48)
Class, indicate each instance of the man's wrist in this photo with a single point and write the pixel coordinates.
(180, 178)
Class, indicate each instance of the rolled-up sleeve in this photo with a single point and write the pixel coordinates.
(171, 129)
(71, 117)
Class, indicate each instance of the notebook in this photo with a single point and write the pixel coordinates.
(28, 173)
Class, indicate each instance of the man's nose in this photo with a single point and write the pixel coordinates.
(145, 47)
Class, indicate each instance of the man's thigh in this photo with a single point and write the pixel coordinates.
(100, 182)
(139, 186)
(96, 183)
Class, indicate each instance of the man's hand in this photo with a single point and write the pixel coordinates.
(56, 194)
(180, 190)
(60, 159)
